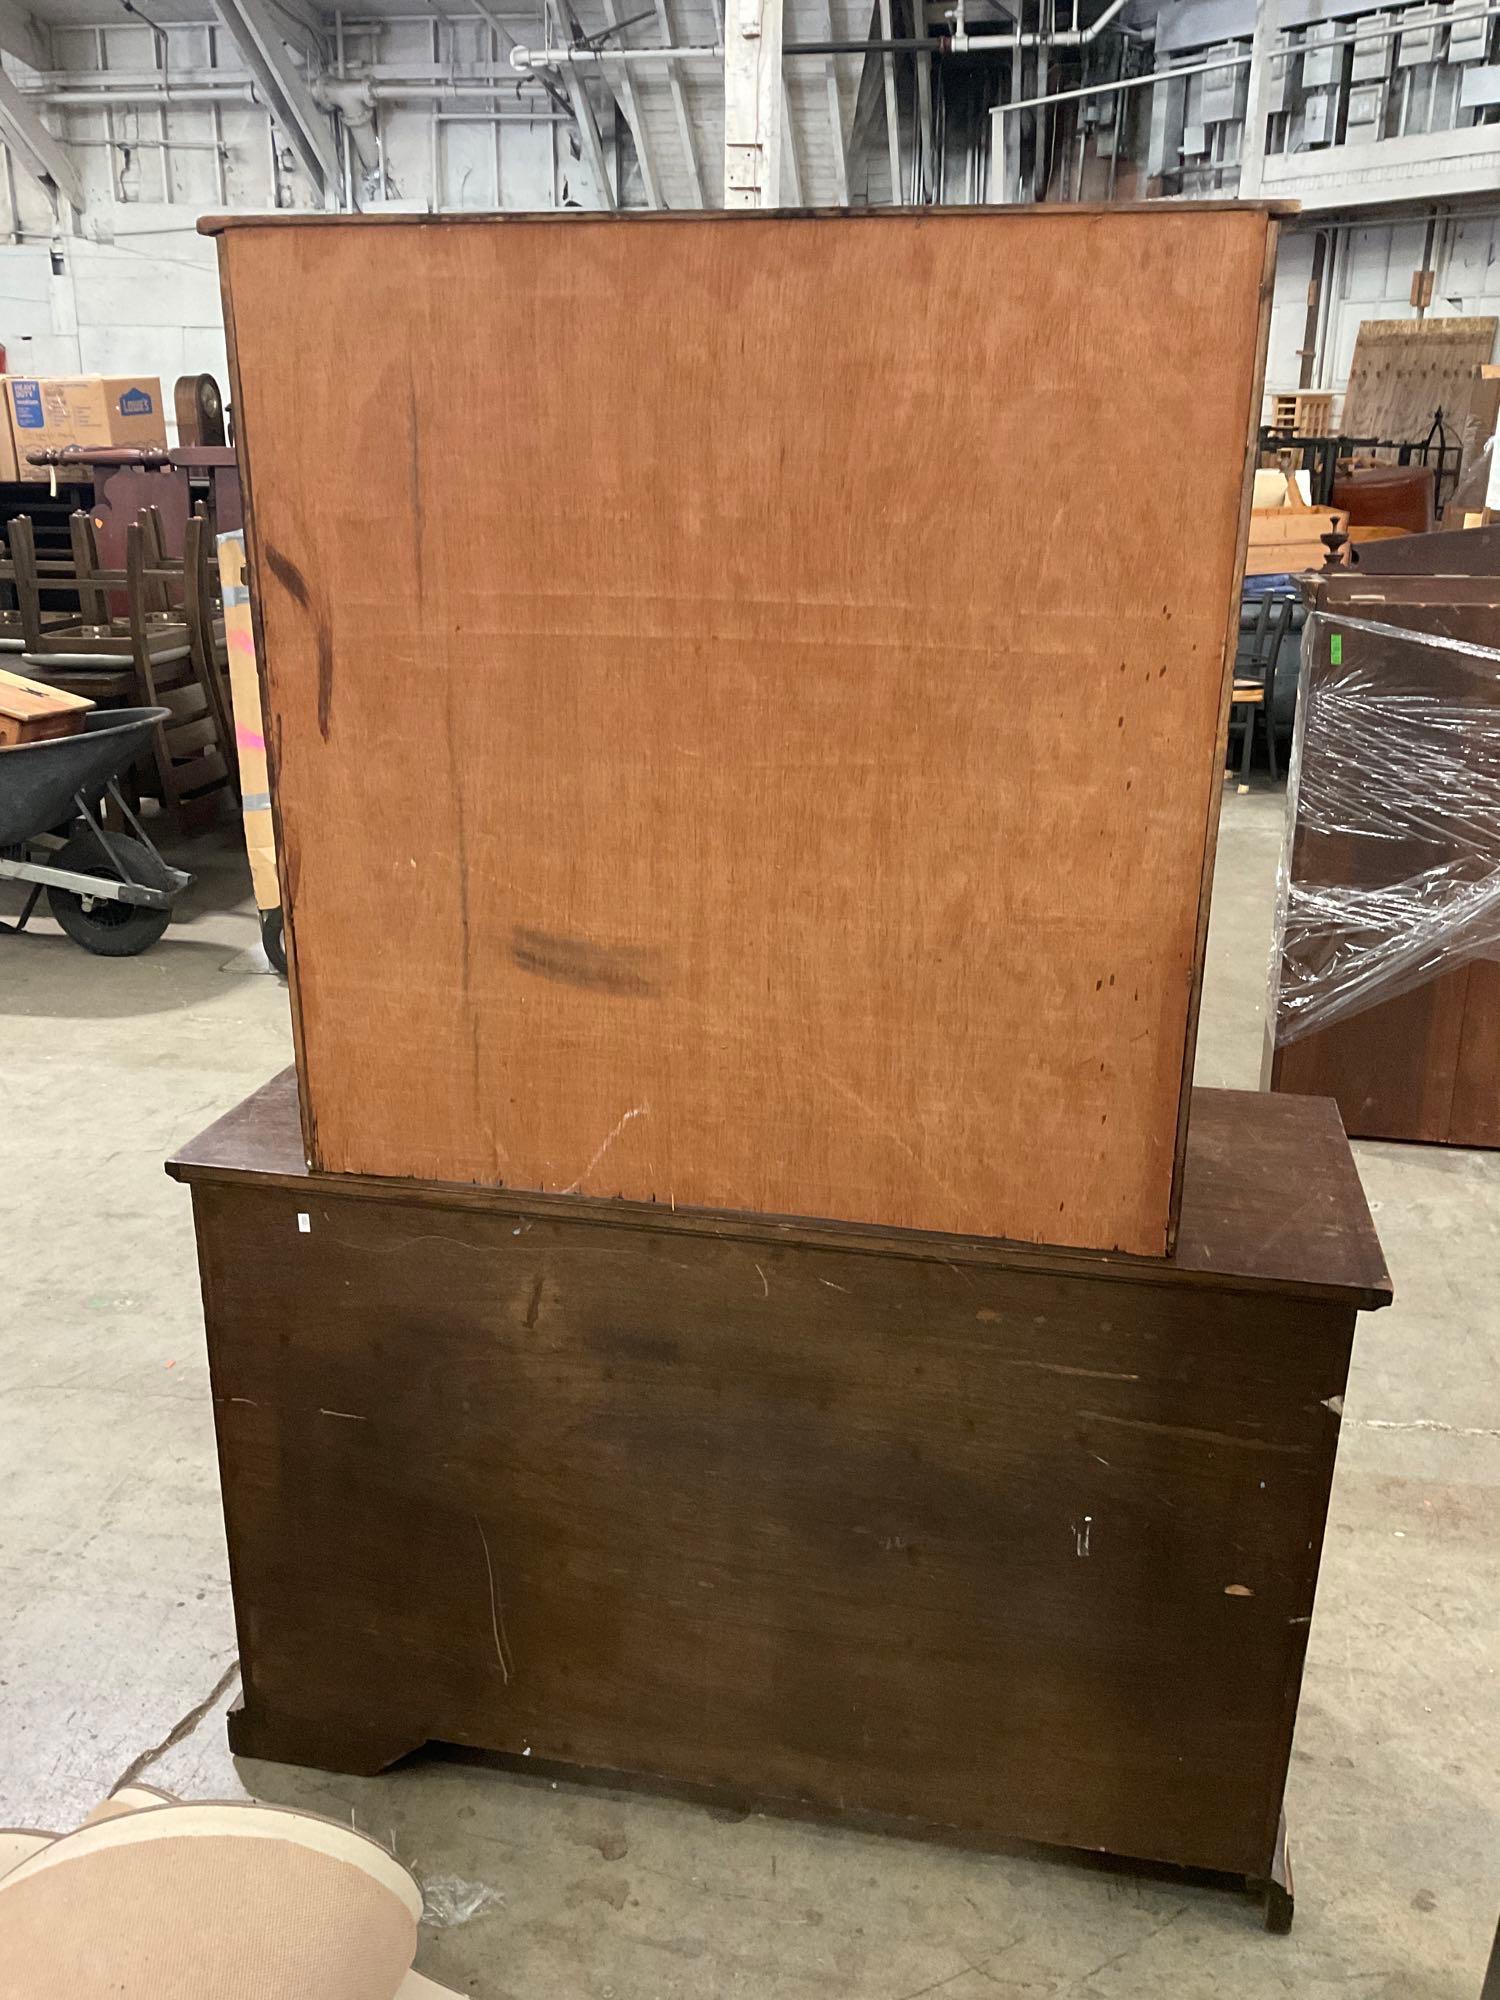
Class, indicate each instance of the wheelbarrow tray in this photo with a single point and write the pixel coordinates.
(38, 781)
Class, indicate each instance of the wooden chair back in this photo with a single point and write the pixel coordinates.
(191, 749)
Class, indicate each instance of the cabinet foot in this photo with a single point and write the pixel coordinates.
(1281, 1903)
(325, 1746)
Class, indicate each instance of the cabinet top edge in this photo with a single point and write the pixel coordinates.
(1272, 1202)
(219, 225)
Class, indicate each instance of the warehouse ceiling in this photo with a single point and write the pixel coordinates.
(673, 108)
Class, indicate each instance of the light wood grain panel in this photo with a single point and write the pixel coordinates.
(1404, 371)
(744, 697)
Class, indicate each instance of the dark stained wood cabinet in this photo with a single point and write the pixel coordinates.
(961, 1534)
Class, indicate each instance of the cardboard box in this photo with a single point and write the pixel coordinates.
(9, 468)
(59, 412)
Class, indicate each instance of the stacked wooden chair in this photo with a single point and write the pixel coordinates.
(150, 635)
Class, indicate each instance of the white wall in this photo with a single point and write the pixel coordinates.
(146, 304)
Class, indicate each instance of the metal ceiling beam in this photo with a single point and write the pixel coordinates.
(583, 113)
(307, 17)
(791, 166)
(21, 36)
(35, 148)
(680, 104)
(836, 118)
(892, 114)
(753, 95)
(921, 137)
(262, 43)
(623, 87)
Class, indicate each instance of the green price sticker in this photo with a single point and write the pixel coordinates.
(1336, 650)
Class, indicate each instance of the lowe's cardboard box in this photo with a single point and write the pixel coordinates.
(53, 412)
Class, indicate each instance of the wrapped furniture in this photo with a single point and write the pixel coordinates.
(1385, 989)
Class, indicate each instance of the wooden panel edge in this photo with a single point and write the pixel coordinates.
(1226, 689)
(772, 1231)
(269, 731)
(221, 225)
(1316, 1524)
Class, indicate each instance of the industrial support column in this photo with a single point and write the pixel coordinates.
(752, 104)
(1253, 142)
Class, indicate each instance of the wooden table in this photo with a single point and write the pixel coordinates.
(957, 1533)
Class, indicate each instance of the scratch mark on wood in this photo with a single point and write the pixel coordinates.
(1063, 1368)
(497, 1610)
(640, 1111)
(349, 1416)
(325, 677)
(1197, 1436)
(763, 1285)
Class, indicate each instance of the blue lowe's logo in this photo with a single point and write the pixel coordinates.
(26, 398)
(136, 403)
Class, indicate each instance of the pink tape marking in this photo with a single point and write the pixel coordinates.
(249, 739)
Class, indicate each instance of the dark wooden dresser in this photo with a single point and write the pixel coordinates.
(958, 1533)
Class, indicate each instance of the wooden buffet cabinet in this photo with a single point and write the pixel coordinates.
(961, 1534)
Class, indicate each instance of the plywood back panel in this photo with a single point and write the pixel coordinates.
(745, 696)
(1405, 370)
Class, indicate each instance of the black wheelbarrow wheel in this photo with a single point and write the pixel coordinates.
(273, 939)
(101, 925)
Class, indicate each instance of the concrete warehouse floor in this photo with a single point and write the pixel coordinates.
(117, 1624)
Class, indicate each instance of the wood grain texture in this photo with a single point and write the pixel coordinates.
(1471, 552)
(1238, 1230)
(1474, 1117)
(782, 781)
(1404, 370)
(1013, 1551)
(1390, 1067)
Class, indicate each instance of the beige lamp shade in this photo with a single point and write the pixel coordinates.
(152, 1899)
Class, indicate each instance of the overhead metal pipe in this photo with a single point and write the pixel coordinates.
(523, 59)
(1241, 61)
(1126, 83)
(958, 42)
(414, 93)
(961, 40)
(120, 100)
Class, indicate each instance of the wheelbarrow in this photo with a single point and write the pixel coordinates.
(111, 893)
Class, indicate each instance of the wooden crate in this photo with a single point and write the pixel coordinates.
(1012, 1541)
(1302, 413)
(744, 704)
